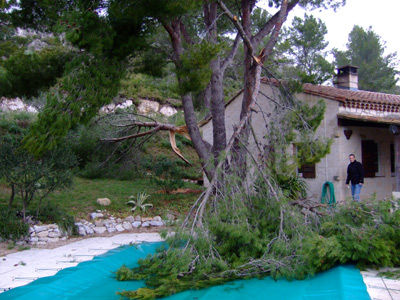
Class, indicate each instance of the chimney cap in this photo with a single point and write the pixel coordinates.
(347, 69)
(347, 78)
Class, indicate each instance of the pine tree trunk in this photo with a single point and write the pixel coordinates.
(10, 202)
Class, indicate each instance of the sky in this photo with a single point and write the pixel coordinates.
(382, 15)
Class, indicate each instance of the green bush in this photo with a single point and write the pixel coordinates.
(11, 226)
(32, 178)
(137, 85)
(165, 173)
(15, 122)
(99, 159)
(52, 213)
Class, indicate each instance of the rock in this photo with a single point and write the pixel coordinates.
(157, 218)
(147, 106)
(138, 218)
(156, 223)
(100, 230)
(119, 220)
(88, 229)
(111, 229)
(31, 230)
(43, 239)
(126, 104)
(38, 228)
(53, 240)
(53, 234)
(42, 234)
(98, 223)
(104, 201)
(91, 225)
(119, 228)
(130, 219)
(168, 111)
(93, 216)
(136, 224)
(81, 230)
(145, 224)
(127, 225)
(52, 226)
(100, 215)
(78, 224)
(37, 45)
(15, 105)
(108, 108)
(33, 239)
(112, 107)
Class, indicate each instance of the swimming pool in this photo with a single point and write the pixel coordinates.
(94, 280)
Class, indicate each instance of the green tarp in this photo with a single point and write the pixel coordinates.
(94, 280)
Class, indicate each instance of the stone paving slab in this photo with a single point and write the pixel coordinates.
(380, 288)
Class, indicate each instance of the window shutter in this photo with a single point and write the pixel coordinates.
(369, 158)
(308, 170)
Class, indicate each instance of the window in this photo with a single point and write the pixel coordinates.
(392, 164)
(370, 157)
(307, 171)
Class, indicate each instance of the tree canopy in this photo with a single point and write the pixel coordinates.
(365, 49)
(305, 45)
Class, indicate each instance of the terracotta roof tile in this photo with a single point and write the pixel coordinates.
(352, 99)
(334, 93)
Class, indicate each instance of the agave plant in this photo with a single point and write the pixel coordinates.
(139, 202)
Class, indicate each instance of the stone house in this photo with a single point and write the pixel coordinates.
(359, 122)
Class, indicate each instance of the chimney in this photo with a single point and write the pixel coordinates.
(347, 78)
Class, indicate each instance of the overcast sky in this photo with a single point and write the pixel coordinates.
(382, 15)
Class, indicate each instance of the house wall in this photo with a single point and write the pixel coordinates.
(333, 167)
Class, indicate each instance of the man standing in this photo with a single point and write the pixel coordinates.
(355, 175)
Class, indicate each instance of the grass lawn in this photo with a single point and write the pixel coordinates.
(80, 200)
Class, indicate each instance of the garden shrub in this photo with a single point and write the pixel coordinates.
(53, 213)
(12, 227)
(32, 178)
(166, 173)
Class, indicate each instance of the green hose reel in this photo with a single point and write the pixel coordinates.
(328, 197)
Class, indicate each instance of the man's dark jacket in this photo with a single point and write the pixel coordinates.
(355, 173)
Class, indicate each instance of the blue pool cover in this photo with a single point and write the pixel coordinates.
(94, 280)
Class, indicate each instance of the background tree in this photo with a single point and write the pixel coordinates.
(29, 178)
(305, 46)
(26, 68)
(110, 32)
(377, 71)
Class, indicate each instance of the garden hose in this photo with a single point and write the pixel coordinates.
(328, 198)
